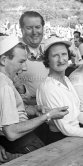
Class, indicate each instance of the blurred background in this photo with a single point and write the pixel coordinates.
(61, 16)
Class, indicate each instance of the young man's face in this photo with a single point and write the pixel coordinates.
(17, 64)
(32, 31)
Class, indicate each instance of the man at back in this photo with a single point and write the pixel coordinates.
(32, 26)
(76, 56)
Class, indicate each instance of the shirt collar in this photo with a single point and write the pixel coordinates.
(35, 53)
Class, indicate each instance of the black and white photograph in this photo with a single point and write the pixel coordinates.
(41, 82)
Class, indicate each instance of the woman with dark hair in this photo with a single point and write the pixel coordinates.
(57, 91)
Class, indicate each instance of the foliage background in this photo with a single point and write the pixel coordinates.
(61, 12)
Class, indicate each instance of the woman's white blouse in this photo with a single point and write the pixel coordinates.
(53, 94)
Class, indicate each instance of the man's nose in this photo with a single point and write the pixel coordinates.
(24, 66)
(60, 58)
(34, 30)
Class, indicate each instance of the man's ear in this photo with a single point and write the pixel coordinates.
(3, 60)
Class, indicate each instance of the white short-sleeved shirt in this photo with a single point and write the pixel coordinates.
(53, 94)
(76, 79)
(11, 104)
(81, 49)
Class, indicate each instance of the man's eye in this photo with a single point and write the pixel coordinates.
(38, 27)
(21, 62)
(56, 55)
(64, 54)
(28, 28)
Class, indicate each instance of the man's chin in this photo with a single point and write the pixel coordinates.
(36, 43)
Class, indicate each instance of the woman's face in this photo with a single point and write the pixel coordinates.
(58, 58)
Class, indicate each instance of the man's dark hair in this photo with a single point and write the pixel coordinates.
(30, 14)
(77, 32)
(10, 53)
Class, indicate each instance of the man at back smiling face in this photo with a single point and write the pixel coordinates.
(32, 27)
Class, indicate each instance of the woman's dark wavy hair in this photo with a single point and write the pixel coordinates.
(46, 54)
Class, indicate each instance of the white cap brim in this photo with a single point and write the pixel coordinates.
(7, 43)
(54, 40)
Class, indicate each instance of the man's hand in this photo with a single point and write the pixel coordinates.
(58, 113)
(3, 156)
(55, 113)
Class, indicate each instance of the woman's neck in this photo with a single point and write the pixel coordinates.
(59, 76)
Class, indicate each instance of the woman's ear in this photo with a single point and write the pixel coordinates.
(3, 60)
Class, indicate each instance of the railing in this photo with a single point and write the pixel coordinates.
(66, 152)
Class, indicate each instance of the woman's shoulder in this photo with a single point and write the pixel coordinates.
(46, 81)
(49, 85)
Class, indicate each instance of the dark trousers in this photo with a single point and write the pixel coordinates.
(42, 132)
(23, 145)
(47, 136)
(54, 136)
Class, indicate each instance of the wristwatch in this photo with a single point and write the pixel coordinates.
(48, 116)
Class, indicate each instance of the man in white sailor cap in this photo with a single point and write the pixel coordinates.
(17, 134)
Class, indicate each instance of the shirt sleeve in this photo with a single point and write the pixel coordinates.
(81, 49)
(75, 80)
(79, 90)
(46, 97)
(9, 112)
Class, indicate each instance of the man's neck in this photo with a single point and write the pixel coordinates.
(34, 46)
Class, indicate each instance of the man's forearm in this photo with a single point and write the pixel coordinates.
(18, 130)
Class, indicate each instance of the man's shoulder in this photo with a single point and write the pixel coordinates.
(81, 48)
(4, 81)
